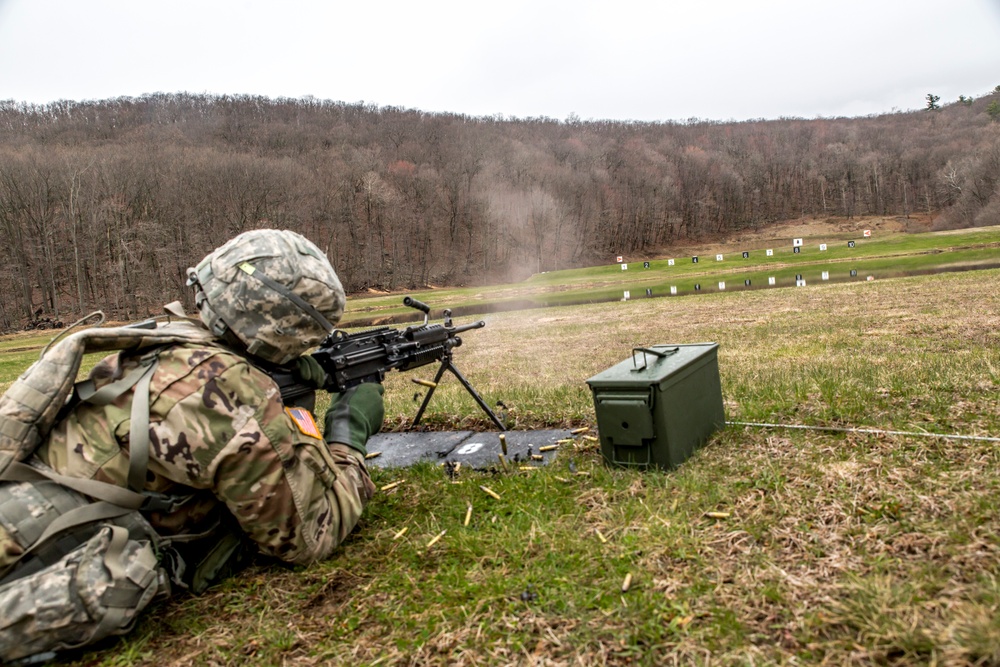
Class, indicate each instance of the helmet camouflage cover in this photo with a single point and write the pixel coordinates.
(273, 290)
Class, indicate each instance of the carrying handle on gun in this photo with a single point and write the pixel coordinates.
(419, 305)
(660, 354)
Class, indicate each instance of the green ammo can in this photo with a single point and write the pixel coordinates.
(659, 406)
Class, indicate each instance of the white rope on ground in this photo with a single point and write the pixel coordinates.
(873, 431)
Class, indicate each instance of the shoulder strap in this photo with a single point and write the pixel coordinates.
(111, 502)
(138, 438)
(125, 498)
(29, 408)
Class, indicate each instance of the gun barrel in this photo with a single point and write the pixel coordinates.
(468, 327)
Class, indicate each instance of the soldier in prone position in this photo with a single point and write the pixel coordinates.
(174, 460)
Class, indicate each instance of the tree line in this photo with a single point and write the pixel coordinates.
(106, 203)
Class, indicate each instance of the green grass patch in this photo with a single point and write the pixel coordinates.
(889, 256)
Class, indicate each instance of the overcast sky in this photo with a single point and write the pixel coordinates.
(618, 59)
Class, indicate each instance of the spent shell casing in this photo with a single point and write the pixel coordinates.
(627, 583)
(503, 444)
(371, 455)
(717, 515)
(537, 457)
(590, 438)
(401, 532)
(561, 479)
(390, 487)
(528, 468)
(490, 492)
(564, 441)
(600, 536)
(468, 515)
(436, 538)
(424, 383)
(578, 431)
(548, 448)
(503, 462)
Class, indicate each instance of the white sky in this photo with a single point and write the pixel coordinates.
(619, 59)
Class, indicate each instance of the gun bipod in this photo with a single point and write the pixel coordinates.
(446, 365)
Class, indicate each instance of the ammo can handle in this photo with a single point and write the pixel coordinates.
(644, 350)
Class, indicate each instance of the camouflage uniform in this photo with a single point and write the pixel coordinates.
(219, 436)
(217, 426)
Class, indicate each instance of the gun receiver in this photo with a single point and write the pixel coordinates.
(366, 356)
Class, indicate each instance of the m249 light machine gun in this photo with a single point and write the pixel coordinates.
(366, 356)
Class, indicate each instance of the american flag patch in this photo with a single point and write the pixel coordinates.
(304, 421)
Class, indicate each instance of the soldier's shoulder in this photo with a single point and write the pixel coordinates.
(192, 355)
(190, 367)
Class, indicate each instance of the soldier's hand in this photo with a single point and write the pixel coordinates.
(355, 415)
(308, 371)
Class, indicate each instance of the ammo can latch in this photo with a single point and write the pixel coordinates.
(630, 428)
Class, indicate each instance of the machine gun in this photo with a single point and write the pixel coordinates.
(366, 356)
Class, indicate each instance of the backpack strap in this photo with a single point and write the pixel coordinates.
(126, 498)
(86, 392)
(138, 436)
(30, 406)
(96, 590)
(112, 502)
(120, 596)
(138, 431)
(85, 514)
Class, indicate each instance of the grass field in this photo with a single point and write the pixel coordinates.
(769, 546)
(886, 256)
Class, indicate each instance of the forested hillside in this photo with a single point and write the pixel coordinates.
(104, 204)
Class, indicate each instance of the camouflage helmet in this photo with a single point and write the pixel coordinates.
(273, 290)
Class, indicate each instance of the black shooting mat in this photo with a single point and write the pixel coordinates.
(476, 450)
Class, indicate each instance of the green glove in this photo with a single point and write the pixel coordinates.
(355, 415)
(308, 371)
